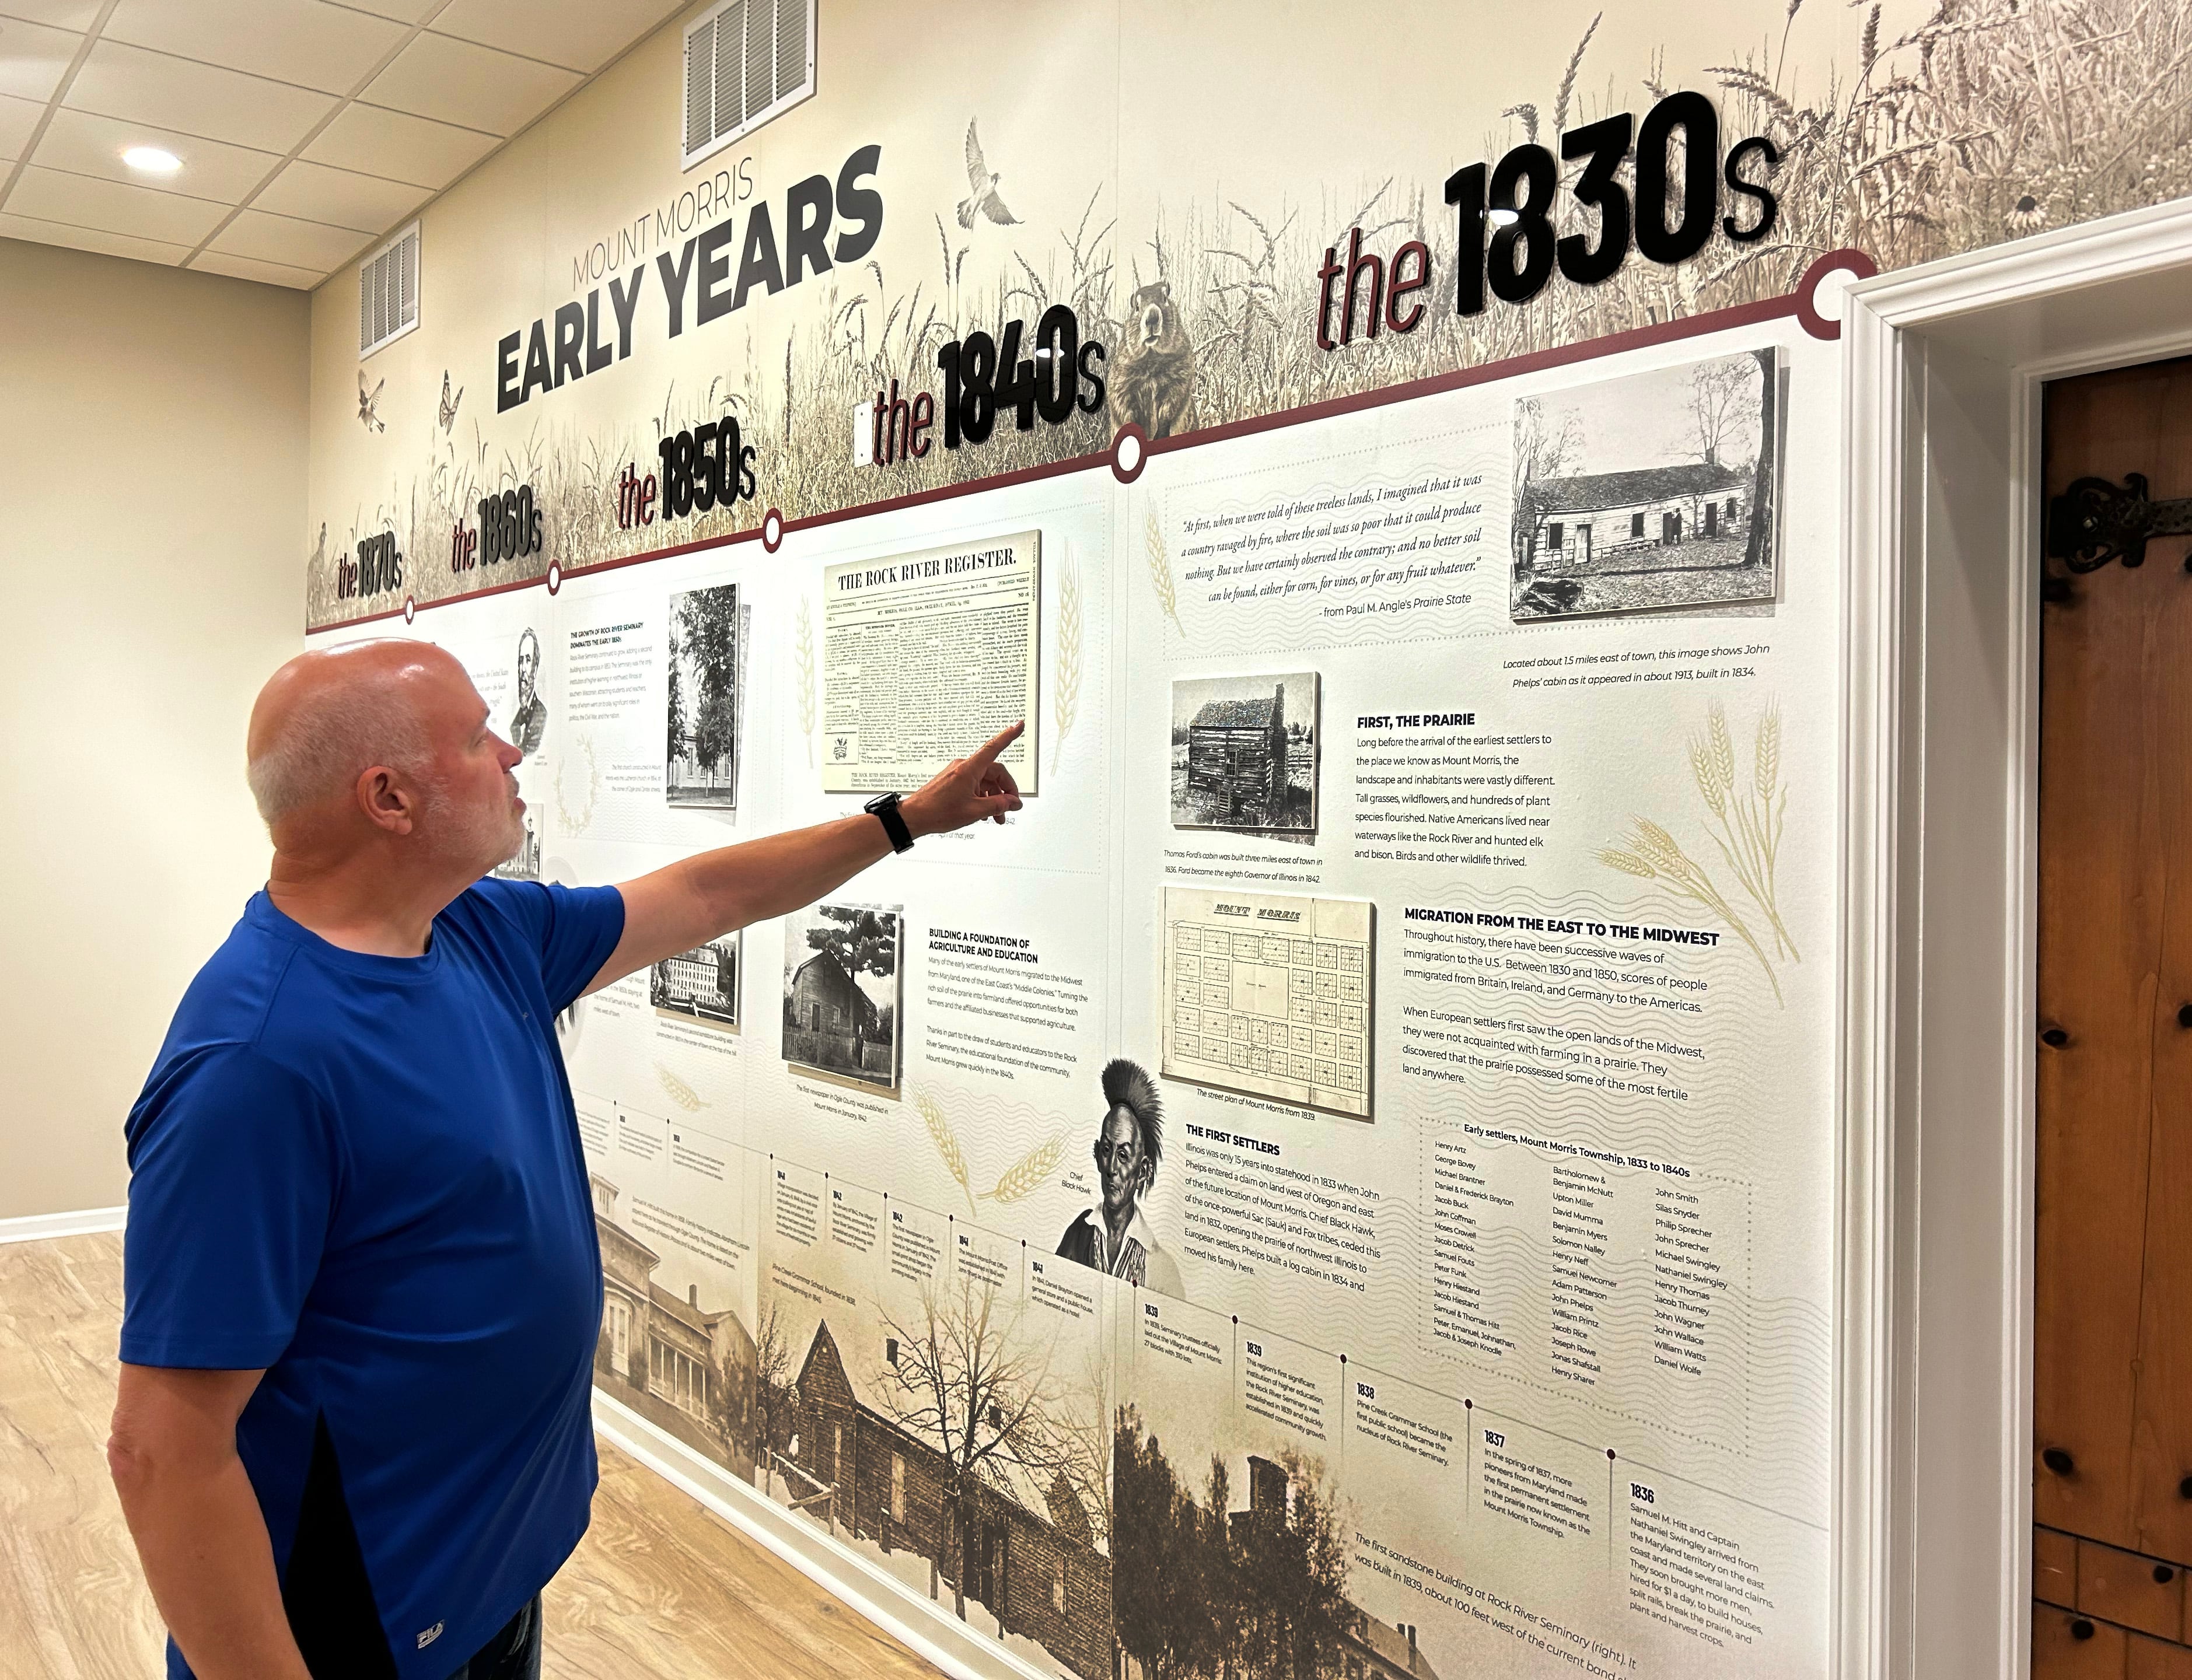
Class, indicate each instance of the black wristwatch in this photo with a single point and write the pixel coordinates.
(884, 809)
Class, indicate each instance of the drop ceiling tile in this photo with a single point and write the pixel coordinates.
(339, 197)
(90, 239)
(583, 37)
(479, 87)
(33, 57)
(403, 11)
(195, 99)
(77, 14)
(250, 268)
(18, 117)
(389, 144)
(112, 207)
(285, 239)
(85, 145)
(306, 42)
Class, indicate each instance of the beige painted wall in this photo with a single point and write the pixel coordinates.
(153, 457)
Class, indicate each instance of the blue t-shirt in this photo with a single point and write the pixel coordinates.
(363, 1174)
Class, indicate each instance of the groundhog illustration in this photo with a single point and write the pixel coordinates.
(1153, 375)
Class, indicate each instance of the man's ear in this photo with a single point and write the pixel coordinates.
(387, 803)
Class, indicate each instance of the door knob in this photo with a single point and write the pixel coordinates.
(2082, 1629)
(2055, 1038)
(2062, 1464)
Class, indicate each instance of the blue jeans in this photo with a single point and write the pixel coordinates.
(514, 1653)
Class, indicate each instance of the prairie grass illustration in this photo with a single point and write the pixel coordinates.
(802, 655)
(1028, 1173)
(1161, 573)
(1649, 853)
(947, 1143)
(1745, 826)
(1990, 120)
(1023, 1178)
(1066, 693)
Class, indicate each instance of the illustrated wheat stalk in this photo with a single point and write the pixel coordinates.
(947, 1145)
(1161, 574)
(1749, 822)
(680, 1093)
(1028, 1172)
(1651, 853)
(1066, 697)
(803, 651)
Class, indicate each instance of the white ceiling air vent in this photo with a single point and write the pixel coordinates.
(388, 292)
(745, 61)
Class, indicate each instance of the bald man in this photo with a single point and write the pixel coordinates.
(361, 1284)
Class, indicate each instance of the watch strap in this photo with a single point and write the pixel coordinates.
(885, 810)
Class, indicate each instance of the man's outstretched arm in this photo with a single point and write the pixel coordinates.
(705, 896)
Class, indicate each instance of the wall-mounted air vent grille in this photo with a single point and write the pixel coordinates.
(388, 292)
(745, 61)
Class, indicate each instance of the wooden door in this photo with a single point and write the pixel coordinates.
(2112, 1453)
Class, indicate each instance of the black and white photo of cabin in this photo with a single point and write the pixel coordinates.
(701, 984)
(1244, 753)
(702, 706)
(1655, 490)
(841, 991)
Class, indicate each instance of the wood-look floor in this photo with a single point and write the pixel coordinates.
(659, 1587)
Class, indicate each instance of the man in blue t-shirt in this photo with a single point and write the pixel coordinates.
(362, 1289)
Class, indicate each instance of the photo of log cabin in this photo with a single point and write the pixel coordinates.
(1244, 753)
(1654, 490)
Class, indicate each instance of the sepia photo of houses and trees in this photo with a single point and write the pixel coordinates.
(687, 1369)
(1213, 1581)
(1654, 490)
(959, 1446)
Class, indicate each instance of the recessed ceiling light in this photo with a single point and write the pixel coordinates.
(152, 160)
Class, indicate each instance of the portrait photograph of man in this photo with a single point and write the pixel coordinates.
(529, 723)
(1112, 1236)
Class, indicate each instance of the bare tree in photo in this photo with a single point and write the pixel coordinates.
(775, 1369)
(969, 1383)
(1720, 392)
(1545, 444)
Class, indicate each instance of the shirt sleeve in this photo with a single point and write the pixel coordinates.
(574, 928)
(233, 1181)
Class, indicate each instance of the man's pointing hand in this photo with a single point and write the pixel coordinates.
(966, 791)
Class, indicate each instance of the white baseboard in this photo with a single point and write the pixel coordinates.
(929, 1629)
(36, 1228)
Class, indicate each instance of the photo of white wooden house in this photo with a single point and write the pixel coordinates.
(1654, 490)
(687, 1369)
(1598, 518)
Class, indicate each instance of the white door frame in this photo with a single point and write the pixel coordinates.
(1941, 371)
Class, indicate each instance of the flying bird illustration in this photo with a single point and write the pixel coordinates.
(449, 403)
(366, 402)
(979, 176)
